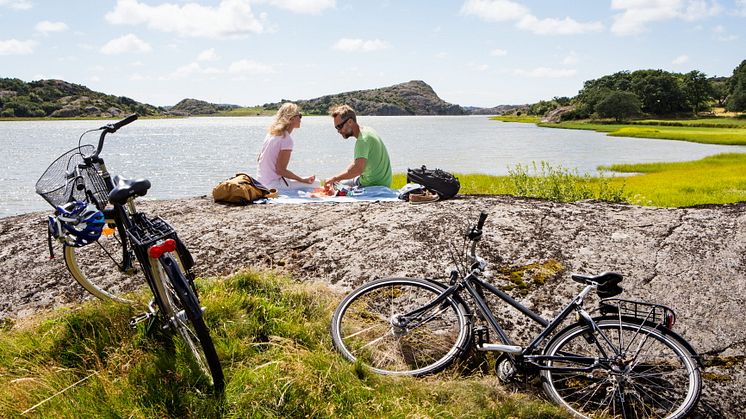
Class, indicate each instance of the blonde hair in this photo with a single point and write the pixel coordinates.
(343, 111)
(282, 118)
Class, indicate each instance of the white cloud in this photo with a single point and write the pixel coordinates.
(354, 45)
(193, 69)
(551, 26)
(495, 10)
(16, 47)
(230, 19)
(571, 58)
(509, 11)
(497, 52)
(126, 44)
(304, 6)
(636, 15)
(46, 26)
(740, 8)
(16, 4)
(441, 55)
(208, 55)
(722, 35)
(249, 67)
(681, 59)
(546, 73)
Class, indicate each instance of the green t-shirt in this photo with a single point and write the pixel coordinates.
(378, 166)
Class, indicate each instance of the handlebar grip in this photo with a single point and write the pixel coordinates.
(124, 122)
(482, 218)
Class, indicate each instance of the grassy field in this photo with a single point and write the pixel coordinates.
(273, 340)
(719, 179)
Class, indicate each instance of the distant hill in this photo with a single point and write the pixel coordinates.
(411, 98)
(60, 99)
(198, 107)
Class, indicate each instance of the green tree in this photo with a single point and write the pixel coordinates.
(697, 89)
(720, 90)
(619, 105)
(659, 91)
(737, 92)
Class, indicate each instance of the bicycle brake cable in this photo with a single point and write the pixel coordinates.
(81, 139)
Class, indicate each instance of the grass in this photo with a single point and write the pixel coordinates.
(719, 179)
(514, 118)
(272, 337)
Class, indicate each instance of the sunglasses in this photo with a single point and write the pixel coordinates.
(341, 124)
(298, 115)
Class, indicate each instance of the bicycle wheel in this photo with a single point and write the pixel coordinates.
(99, 268)
(641, 372)
(184, 314)
(363, 327)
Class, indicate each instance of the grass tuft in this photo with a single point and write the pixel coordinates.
(272, 337)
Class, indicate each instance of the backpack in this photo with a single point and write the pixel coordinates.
(241, 189)
(442, 183)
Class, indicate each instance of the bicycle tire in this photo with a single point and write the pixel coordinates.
(98, 267)
(362, 331)
(655, 376)
(184, 315)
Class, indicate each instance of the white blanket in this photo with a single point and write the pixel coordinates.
(367, 193)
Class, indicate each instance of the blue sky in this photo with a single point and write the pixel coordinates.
(472, 52)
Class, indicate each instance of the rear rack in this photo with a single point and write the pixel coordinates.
(648, 312)
(146, 232)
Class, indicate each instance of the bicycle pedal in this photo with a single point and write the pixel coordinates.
(481, 335)
(134, 321)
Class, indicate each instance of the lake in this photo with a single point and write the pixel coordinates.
(187, 157)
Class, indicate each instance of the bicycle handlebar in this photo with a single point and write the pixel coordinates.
(111, 128)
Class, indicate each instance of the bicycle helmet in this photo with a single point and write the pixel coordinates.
(77, 223)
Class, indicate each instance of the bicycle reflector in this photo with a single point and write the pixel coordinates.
(157, 250)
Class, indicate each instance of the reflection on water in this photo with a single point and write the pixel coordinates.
(187, 157)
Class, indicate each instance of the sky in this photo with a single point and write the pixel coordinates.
(472, 52)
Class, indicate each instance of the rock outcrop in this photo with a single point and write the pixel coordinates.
(690, 259)
(555, 116)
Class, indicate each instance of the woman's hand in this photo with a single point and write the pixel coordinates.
(309, 179)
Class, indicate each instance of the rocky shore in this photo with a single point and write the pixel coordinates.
(690, 259)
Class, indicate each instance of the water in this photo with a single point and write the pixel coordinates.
(187, 157)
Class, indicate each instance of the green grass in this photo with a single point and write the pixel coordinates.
(250, 111)
(689, 130)
(272, 338)
(514, 118)
(719, 179)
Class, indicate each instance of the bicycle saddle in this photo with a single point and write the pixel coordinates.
(125, 188)
(608, 283)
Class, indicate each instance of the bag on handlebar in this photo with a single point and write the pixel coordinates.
(438, 181)
(241, 189)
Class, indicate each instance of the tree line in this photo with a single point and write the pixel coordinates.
(624, 95)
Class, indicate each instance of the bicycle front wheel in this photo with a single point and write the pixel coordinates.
(184, 315)
(102, 268)
(365, 327)
(641, 372)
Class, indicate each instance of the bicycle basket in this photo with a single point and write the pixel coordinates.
(654, 313)
(59, 184)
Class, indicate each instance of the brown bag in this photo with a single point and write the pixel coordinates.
(241, 189)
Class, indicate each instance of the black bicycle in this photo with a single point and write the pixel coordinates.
(101, 258)
(626, 362)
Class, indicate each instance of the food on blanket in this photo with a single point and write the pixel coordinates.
(323, 192)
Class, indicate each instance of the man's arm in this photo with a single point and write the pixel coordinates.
(354, 169)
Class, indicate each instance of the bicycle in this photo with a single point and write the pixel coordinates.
(97, 222)
(627, 362)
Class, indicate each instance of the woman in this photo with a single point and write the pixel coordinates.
(272, 170)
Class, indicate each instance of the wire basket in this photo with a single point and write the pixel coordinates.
(649, 312)
(60, 184)
(148, 231)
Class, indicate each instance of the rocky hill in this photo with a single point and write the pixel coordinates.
(411, 98)
(60, 99)
(189, 107)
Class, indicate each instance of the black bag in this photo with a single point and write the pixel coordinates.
(442, 183)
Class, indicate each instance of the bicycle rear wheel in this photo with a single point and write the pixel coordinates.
(363, 327)
(642, 372)
(101, 268)
(184, 315)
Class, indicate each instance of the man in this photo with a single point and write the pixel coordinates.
(371, 165)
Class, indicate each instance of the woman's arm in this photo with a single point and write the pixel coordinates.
(281, 167)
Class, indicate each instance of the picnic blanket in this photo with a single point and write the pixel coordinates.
(367, 193)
